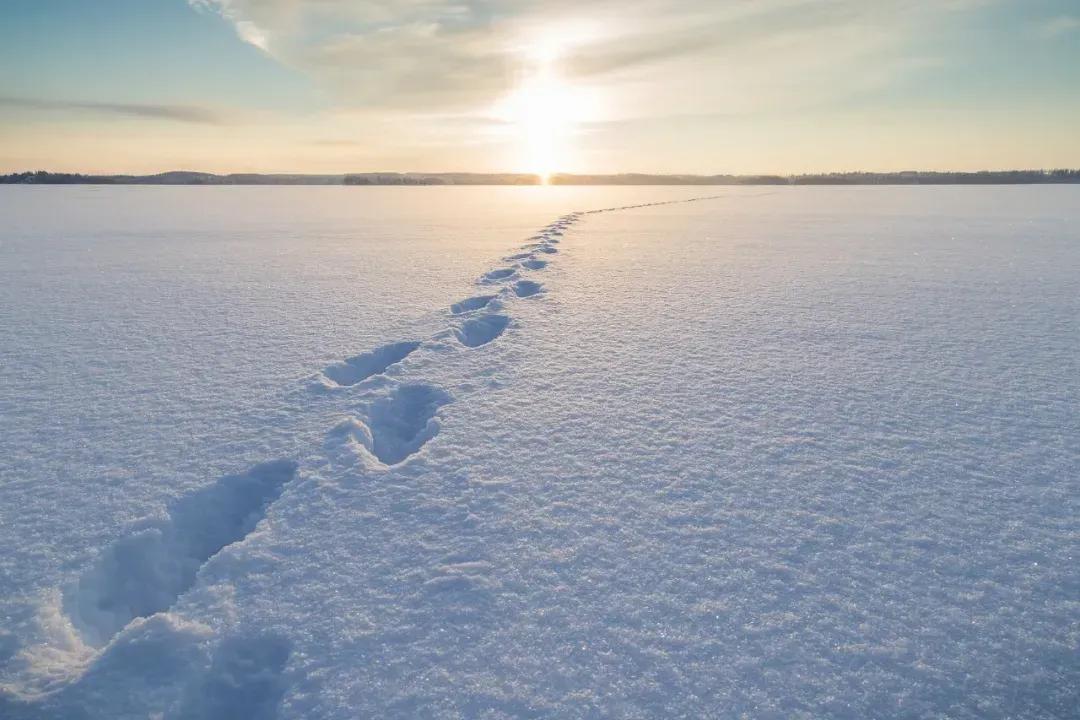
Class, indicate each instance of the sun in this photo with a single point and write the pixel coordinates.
(544, 112)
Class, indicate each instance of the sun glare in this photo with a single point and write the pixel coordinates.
(544, 111)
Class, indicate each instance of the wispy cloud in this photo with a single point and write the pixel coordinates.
(252, 34)
(176, 113)
(1060, 25)
(460, 55)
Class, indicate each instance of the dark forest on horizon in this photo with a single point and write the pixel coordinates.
(914, 177)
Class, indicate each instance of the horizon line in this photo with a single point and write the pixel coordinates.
(849, 177)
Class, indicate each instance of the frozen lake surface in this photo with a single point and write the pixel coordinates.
(466, 453)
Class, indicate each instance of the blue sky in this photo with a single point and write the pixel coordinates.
(132, 51)
(540, 85)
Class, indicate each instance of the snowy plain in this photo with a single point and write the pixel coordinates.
(467, 453)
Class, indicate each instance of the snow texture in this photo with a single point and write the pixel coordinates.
(798, 452)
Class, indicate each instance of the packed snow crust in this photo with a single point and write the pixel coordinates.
(798, 452)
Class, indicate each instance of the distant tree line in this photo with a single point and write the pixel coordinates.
(392, 179)
(181, 177)
(646, 179)
(914, 177)
(441, 179)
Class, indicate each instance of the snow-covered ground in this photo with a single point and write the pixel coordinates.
(457, 452)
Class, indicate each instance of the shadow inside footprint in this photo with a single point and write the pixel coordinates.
(525, 288)
(496, 275)
(145, 572)
(470, 304)
(534, 264)
(361, 367)
(481, 330)
(245, 680)
(402, 422)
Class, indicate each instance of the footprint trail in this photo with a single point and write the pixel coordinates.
(144, 573)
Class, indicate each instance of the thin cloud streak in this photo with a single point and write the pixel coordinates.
(1060, 25)
(176, 113)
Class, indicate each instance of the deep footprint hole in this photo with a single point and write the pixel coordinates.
(359, 368)
(145, 572)
(471, 304)
(496, 275)
(481, 330)
(404, 421)
(527, 288)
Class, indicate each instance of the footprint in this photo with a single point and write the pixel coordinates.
(547, 249)
(470, 304)
(361, 367)
(245, 680)
(534, 264)
(404, 421)
(526, 288)
(497, 275)
(518, 256)
(145, 572)
(481, 330)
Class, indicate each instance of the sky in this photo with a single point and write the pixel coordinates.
(657, 86)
